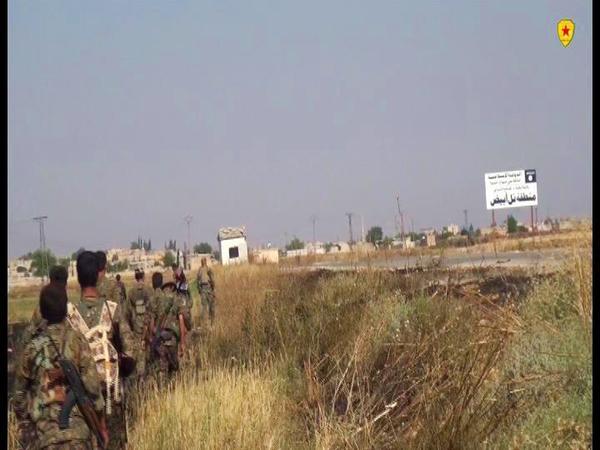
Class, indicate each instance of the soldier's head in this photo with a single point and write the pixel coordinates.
(118, 277)
(87, 269)
(53, 303)
(203, 262)
(139, 275)
(59, 275)
(101, 263)
(157, 280)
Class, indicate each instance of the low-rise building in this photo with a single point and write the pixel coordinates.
(297, 252)
(453, 229)
(233, 246)
(265, 256)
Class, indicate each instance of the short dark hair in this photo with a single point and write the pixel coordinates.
(87, 269)
(157, 280)
(118, 277)
(139, 275)
(53, 303)
(59, 274)
(174, 266)
(101, 260)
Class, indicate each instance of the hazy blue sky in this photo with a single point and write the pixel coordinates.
(126, 116)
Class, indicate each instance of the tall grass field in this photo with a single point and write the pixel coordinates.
(367, 361)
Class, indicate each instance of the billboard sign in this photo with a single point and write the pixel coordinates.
(511, 189)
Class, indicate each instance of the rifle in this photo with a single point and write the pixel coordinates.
(77, 395)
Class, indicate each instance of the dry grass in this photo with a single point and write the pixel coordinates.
(224, 408)
(364, 360)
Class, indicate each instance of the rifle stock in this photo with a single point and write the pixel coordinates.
(78, 396)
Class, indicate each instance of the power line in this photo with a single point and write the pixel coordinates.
(188, 220)
(44, 255)
(313, 218)
(401, 217)
(350, 226)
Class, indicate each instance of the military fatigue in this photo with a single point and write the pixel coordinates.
(37, 376)
(168, 306)
(121, 287)
(139, 313)
(206, 286)
(107, 287)
(91, 310)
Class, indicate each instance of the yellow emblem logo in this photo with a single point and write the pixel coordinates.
(566, 30)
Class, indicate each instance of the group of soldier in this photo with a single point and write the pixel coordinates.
(112, 339)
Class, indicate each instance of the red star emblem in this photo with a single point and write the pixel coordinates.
(565, 31)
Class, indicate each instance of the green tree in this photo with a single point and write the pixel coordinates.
(202, 247)
(374, 235)
(295, 244)
(135, 245)
(41, 262)
(65, 262)
(168, 259)
(327, 246)
(511, 224)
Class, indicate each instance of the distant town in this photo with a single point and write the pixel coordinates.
(233, 248)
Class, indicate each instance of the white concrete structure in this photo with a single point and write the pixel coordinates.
(233, 246)
(298, 252)
(265, 256)
(453, 229)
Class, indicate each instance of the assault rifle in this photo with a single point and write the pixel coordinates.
(77, 395)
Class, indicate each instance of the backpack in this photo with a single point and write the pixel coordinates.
(139, 303)
(103, 351)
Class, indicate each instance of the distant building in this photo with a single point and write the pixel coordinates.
(297, 252)
(340, 247)
(430, 237)
(453, 229)
(316, 248)
(233, 245)
(265, 256)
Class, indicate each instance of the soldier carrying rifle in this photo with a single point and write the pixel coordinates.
(56, 373)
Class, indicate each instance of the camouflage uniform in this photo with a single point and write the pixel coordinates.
(91, 310)
(168, 306)
(139, 313)
(121, 287)
(37, 376)
(107, 287)
(206, 286)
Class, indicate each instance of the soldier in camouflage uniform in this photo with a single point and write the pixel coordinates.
(170, 327)
(121, 286)
(41, 386)
(138, 313)
(206, 288)
(58, 277)
(107, 287)
(98, 315)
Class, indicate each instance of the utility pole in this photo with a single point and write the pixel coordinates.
(188, 220)
(362, 228)
(313, 219)
(44, 256)
(401, 218)
(350, 226)
(466, 219)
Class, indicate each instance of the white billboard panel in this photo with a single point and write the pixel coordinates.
(511, 189)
